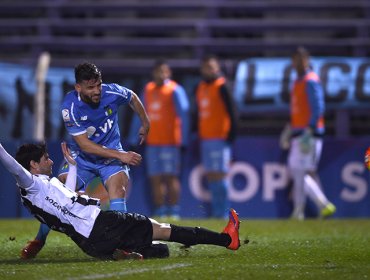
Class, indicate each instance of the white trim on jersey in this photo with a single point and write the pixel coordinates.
(123, 93)
(78, 133)
(73, 115)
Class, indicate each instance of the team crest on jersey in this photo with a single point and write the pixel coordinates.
(108, 110)
(65, 114)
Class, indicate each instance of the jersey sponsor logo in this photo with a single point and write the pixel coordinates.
(90, 131)
(83, 118)
(65, 114)
(107, 126)
(60, 208)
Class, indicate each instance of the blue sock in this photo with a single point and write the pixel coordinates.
(43, 233)
(174, 210)
(219, 203)
(160, 211)
(118, 204)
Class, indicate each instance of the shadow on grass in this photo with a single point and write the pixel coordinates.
(47, 261)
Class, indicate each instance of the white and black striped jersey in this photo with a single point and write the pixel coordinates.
(59, 207)
(51, 202)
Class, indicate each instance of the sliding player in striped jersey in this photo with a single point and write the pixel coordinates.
(101, 234)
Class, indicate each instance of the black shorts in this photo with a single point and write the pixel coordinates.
(115, 230)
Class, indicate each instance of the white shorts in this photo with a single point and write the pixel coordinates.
(306, 161)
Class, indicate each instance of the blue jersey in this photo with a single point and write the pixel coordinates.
(99, 121)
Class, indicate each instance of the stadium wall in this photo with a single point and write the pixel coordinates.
(259, 181)
(263, 84)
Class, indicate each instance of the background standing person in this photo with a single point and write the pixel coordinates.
(90, 115)
(216, 126)
(307, 131)
(168, 108)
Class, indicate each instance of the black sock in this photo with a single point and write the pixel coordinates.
(196, 235)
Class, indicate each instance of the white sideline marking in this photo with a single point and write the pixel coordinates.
(128, 272)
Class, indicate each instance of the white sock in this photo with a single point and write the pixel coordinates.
(314, 191)
(299, 195)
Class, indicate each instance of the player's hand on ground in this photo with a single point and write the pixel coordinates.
(131, 158)
(67, 154)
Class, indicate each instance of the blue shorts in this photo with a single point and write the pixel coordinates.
(87, 171)
(216, 155)
(162, 160)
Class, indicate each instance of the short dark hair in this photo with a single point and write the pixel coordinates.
(302, 51)
(87, 71)
(159, 62)
(28, 152)
(210, 57)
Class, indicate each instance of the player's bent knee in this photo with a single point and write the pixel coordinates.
(161, 231)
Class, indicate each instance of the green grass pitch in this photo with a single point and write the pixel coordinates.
(277, 249)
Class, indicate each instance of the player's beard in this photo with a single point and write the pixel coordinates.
(95, 98)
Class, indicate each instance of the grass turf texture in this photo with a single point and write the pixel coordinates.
(277, 249)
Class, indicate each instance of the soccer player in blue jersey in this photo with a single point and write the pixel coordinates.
(90, 115)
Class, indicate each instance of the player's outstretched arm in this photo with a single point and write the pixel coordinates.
(89, 146)
(71, 180)
(23, 176)
(67, 154)
(138, 107)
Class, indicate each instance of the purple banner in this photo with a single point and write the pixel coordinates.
(259, 184)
